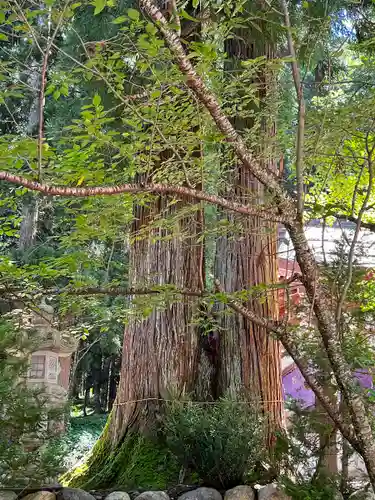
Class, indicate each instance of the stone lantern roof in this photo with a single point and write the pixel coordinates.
(47, 335)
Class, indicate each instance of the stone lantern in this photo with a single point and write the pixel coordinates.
(51, 358)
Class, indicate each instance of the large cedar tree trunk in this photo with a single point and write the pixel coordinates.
(250, 363)
(160, 353)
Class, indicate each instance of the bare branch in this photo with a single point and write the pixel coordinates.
(84, 192)
(366, 225)
(349, 274)
(117, 291)
(356, 187)
(43, 82)
(85, 351)
(301, 111)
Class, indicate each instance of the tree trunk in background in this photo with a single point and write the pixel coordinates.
(328, 465)
(106, 367)
(31, 201)
(250, 361)
(344, 476)
(29, 224)
(113, 381)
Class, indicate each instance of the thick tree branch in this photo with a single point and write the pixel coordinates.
(83, 192)
(301, 111)
(326, 322)
(367, 225)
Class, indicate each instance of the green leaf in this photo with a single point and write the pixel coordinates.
(119, 20)
(150, 28)
(256, 26)
(2, 16)
(133, 14)
(99, 6)
(195, 3)
(56, 94)
(185, 15)
(3, 37)
(80, 180)
(97, 100)
(50, 89)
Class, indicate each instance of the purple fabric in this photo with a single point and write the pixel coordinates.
(294, 387)
(364, 378)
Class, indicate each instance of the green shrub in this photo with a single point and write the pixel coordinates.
(220, 442)
(23, 415)
(305, 490)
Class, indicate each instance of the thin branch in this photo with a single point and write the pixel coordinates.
(356, 187)
(323, 240)
(124, 291)
(366, 225)
(32, 32)
(84, 192)
(117, 291)
(43, 82)
(113, 291)
(84, 354)
(301, 111)
(355, 237)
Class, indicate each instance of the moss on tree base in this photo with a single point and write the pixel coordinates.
(139, 461)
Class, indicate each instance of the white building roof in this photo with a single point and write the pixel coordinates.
(327, 240)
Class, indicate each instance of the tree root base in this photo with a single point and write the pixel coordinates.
(138, 462)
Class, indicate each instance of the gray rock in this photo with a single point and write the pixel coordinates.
(8, 495)
(272, 492)
(40, 495)
(240, 493)
(365, 494)
(152, 495)
(201, 494)
(118, 495)
(73, 494)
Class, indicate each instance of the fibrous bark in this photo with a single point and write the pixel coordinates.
(250, 358)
